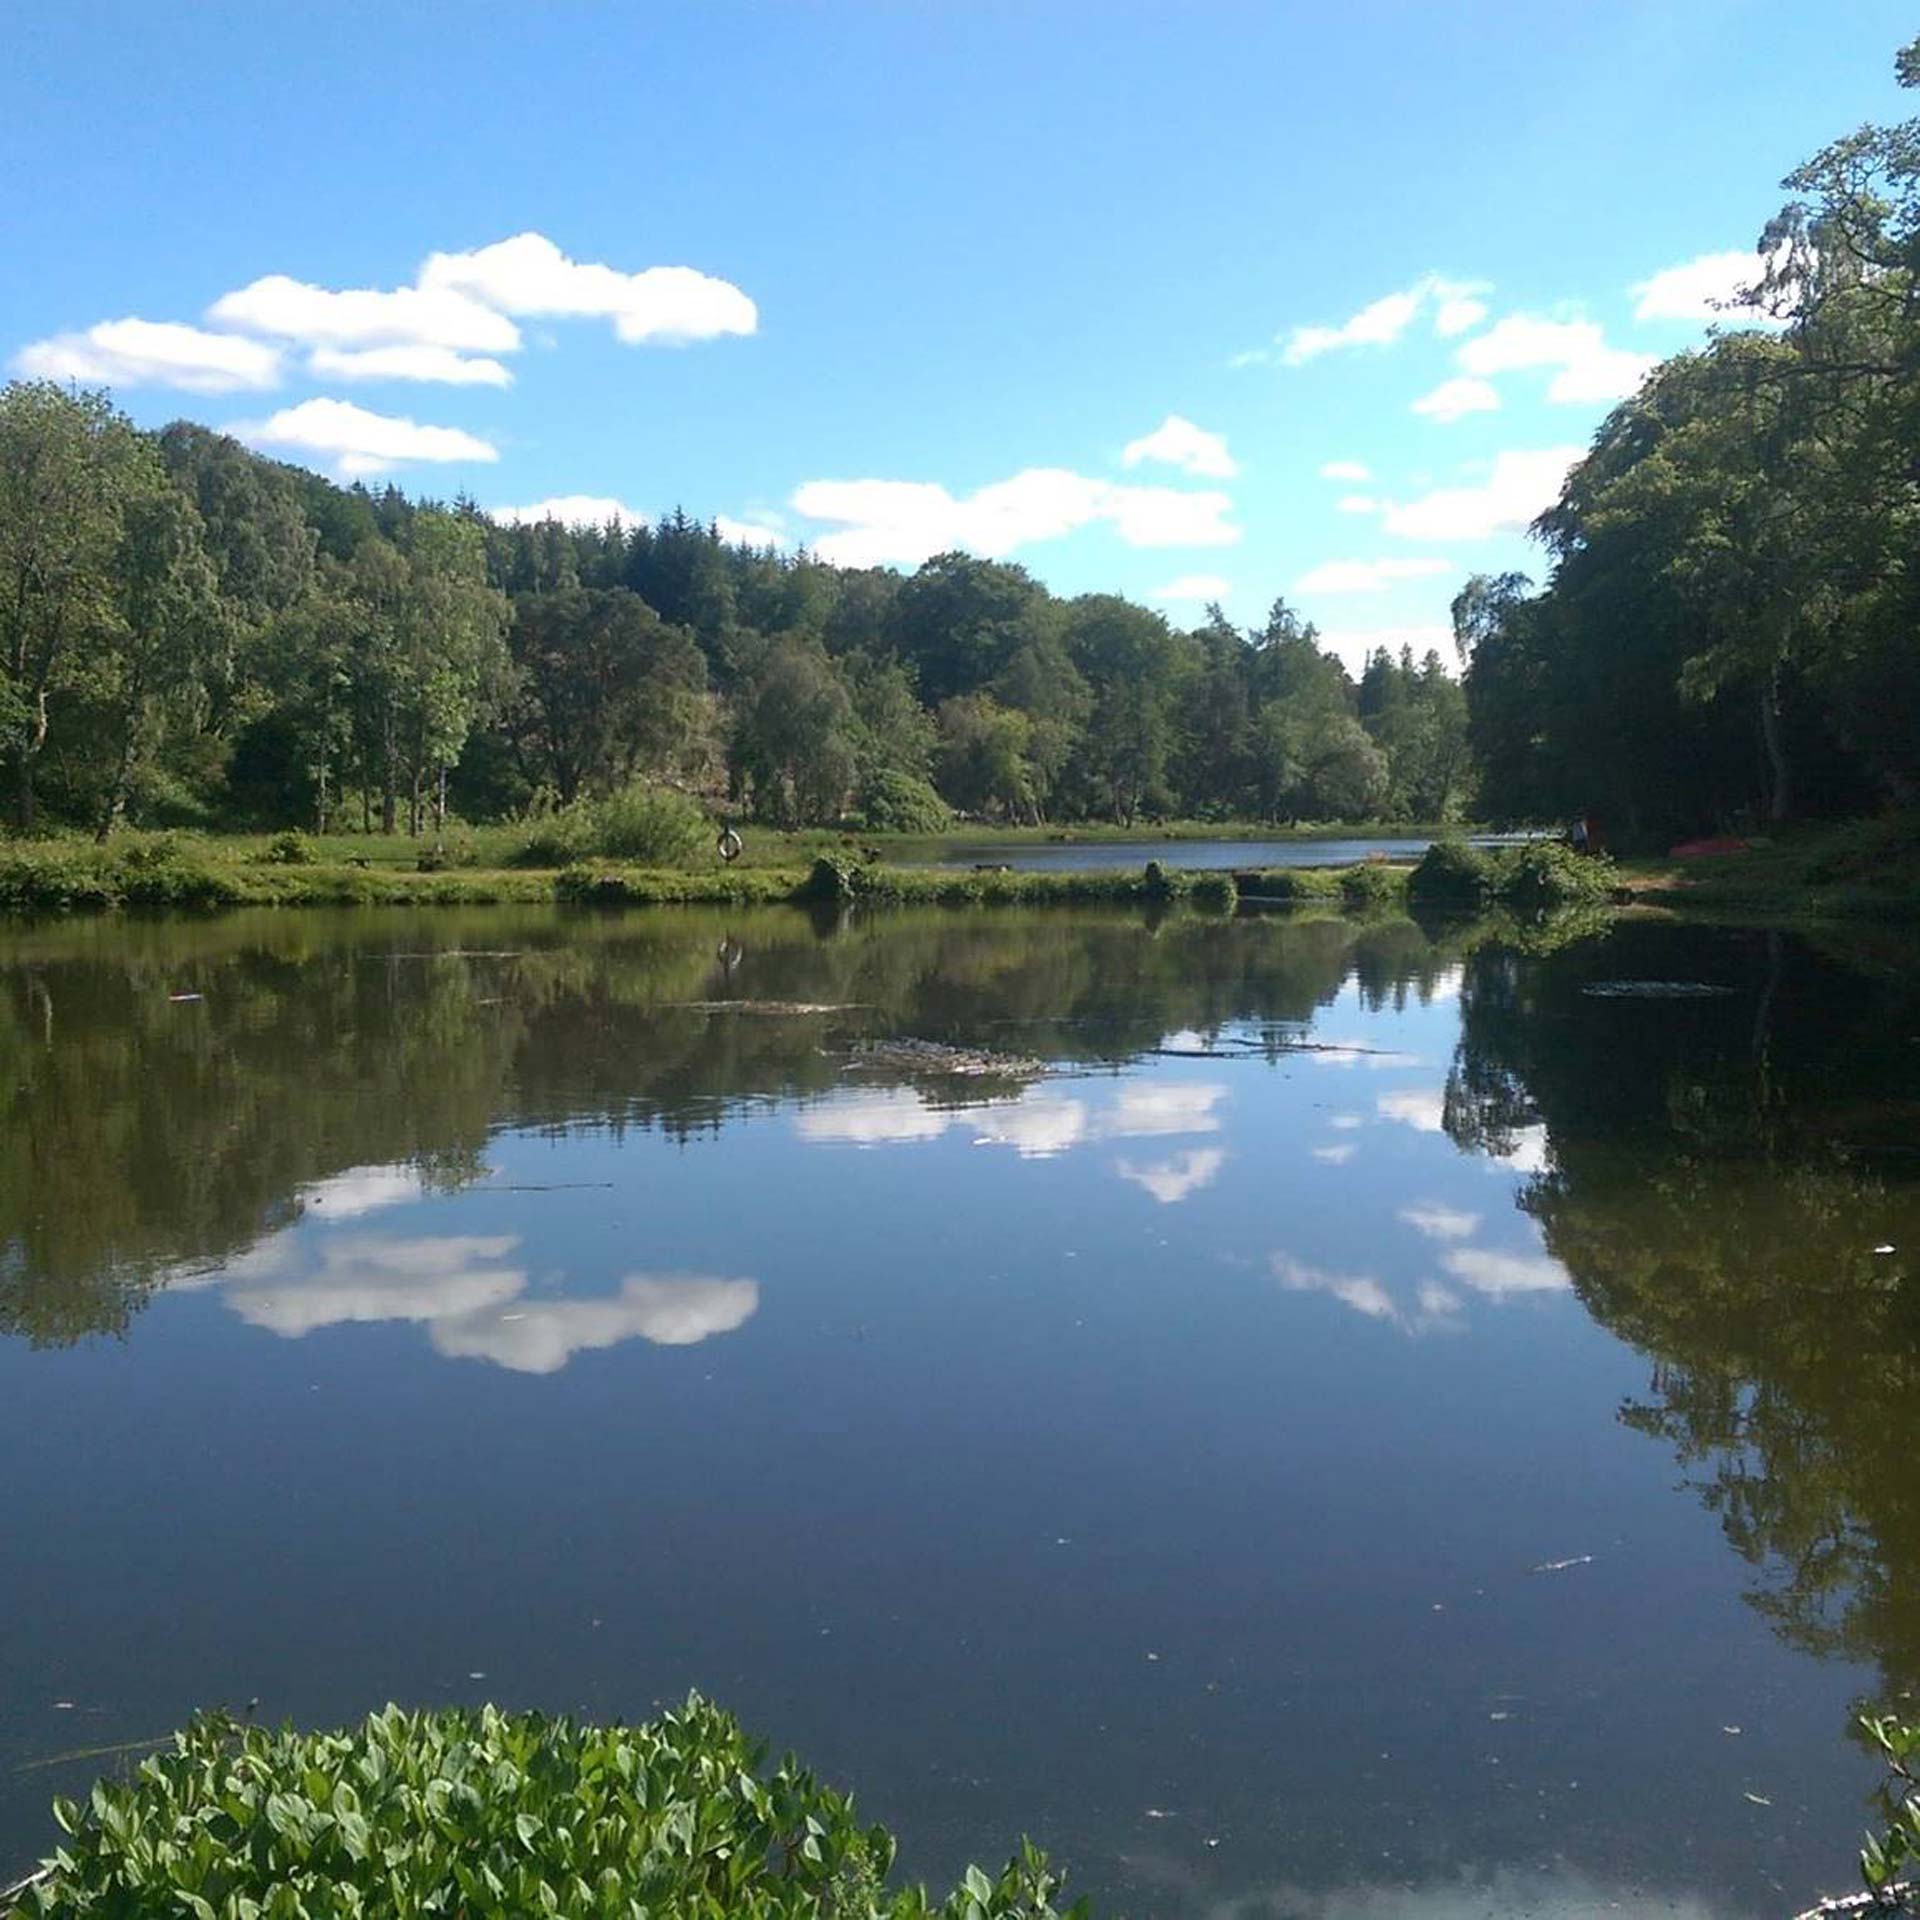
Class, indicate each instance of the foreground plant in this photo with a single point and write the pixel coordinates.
(1889, 1861)
(483, 1812)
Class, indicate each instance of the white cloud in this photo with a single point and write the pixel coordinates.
(1360, 1291)
(1454, 399)
(1707, 287)
(152, 353)
(1194, 589)
(1587, 368)
(414, 362)
(1179, 443)
(747, 533)
(1354, 470)
(1336, 1156)
(1417, 1108)
(1036, 1126)
(571, 510)
(670, 1310)
(1520, 486)
(873, 1119)
(1368, 576)
(290, 309)
(1172, 1106)
(1353, 645)
(1528, 1154)
(1498, 1275)
(530, 276)
(903, 522)
(369, 1277)
(1357, 503)
(360, 442)
(344, 1196)
(1172, 1180)
(1347, 1122)
(1440, 1223)
(1381, 322)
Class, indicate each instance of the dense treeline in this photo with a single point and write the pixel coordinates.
(194, 635)
(1730, 631)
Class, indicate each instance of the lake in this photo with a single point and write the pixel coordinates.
(1200, 855)
(1304, 1418)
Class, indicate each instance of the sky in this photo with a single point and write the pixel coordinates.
(1189, 302)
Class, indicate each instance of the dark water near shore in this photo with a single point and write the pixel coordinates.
(1337, 1421)
(1196, 855)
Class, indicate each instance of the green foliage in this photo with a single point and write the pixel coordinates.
(1452, 874)
(653, 826)
(480, 1811)
(894, 802)
(1536, 877)
(1891, 1858)
(289, 849)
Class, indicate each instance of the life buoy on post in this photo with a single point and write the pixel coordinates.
(730, 845)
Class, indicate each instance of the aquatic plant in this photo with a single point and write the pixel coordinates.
(480, 1811)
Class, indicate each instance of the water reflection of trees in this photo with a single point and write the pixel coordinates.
(1722, 1171)
(140, 1131)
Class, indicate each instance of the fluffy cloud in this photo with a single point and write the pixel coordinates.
(1353, 645)
(1520, 486)
(1171, 1180)
(1036, 1126)
(360, 442)
(747, 533)
(415, 362)
(1336, 1156)
(1419, 1109)
(1174, 1106)
(1368, 576)
(345, 1196)
(884, 522)
(1357, 503)
(571, 510)
(1707, 287)
(670, 1310)
(1194, 589)
(1179, 443)
(1500, 1275)
(1587, 369)
(1440, 1223)
(1455, 399)
(1355, 470)
(152, 353)
(1382, 322)
(287, 309)
(528, 275)
(1435, 1310)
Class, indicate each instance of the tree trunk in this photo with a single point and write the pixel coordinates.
(23, 798)
(1780, 801)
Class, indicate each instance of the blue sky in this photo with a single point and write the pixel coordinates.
(947, 271)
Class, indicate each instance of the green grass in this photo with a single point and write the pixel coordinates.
(481, 1812)
(1833, 869)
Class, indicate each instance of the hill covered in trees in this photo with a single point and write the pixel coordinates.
(1730, 631)
(195, 635)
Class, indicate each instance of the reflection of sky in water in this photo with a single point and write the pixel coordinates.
(1093, 1461)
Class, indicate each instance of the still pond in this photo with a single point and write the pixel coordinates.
(1304, 1418)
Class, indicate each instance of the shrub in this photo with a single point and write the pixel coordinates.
(1214, 891)
(895, 802)
(1452, 874)
(1372, 884)
(1893, 1857)
(1544, 874)
(289, 850)
(483, 1812)
(555, 839)
(654, 826)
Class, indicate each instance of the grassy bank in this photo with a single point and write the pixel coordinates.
(1828, 870)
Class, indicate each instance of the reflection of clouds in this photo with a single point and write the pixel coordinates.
(670, 1310)
(1417, 1107)
(360, 1190)
(870, 1119)
(1035, 1124)
(1171, 1180)
(1440, 1223)
(1435, 1307)
(1336, 1156)
(1504, 1894)
(1356, 1053)
(371, 1277)
(460, 1288)
(1171, 1106)
(1499, 1274)
(1446, 986)
(1528, 1154)
(1346, 1122)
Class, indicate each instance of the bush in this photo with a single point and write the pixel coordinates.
(289, 850)
(1452, 874)
(1214, 891)
(484, 1812)
(654, 826)
(1544, 875)
(1372, 884)
(1893, 1857)
(894, 802)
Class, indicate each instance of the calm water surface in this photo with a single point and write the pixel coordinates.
(1198, 855)
(1330, 1421)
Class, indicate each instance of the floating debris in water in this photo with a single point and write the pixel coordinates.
(1758, 1799)
(178, 998)
(906, 1055)
(1654, 990)
(1560, 1566)
(1885, 1250)
(1161, 1813)
(1729, 1729)
(776, 1009)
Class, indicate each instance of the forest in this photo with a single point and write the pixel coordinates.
(1727, 633)
(202, 637)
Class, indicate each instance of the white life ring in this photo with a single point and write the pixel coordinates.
(730, 845)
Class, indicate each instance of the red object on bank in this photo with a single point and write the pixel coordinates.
(1709, 849)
